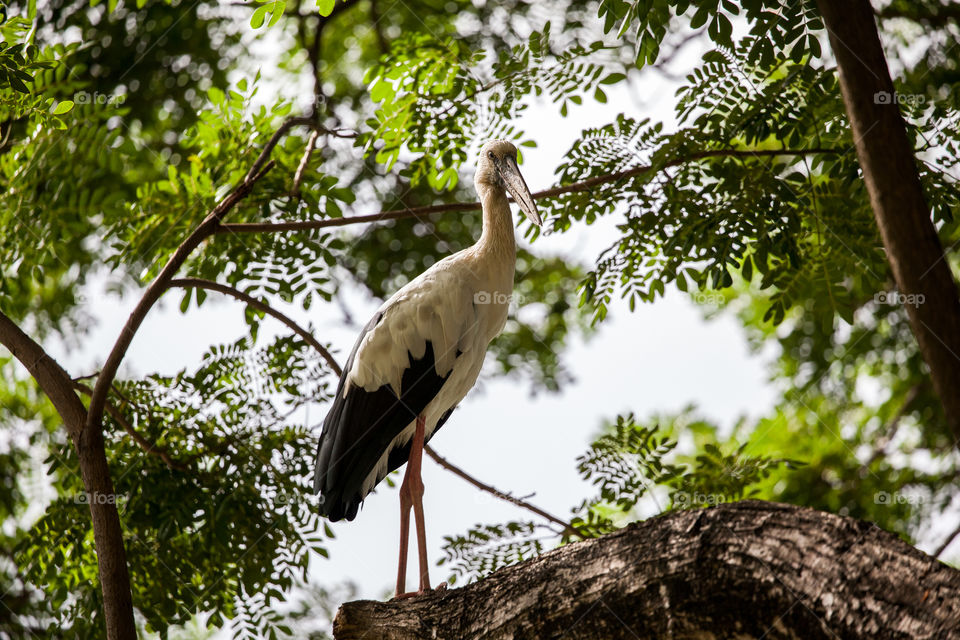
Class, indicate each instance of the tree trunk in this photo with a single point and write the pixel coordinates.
(95, 472)
(886, 156)
(107, 536)
(743, 570)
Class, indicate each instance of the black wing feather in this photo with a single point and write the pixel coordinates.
(360, 427)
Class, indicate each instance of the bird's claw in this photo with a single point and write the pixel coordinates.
(440, 588)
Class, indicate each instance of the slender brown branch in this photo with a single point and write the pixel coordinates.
(585, 185)
(95, 473)
(156, 289)
(200, 283)
(150, 447)
(308, 225)
(304, 161)
(52, 378)
(108, 534)
(936, 16)
(946, 543)
(890, 429)
(887, 158)
(378, 27)
(449, 466)
(281, 131)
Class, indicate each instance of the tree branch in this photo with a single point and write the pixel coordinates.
(302, 167)
(52, 378)
(443, 462)
(159, 285)
(890, 173)
(187, 283)
(946, 543)
(742, 570)
(108, 534)
(936, 16)
(254, 173)
(585, 185)
(150, 447)
(889, 430)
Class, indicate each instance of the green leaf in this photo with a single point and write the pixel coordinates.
(325, 7)
(277, 12)
(64, 106)
(259, 16)
(613, 78)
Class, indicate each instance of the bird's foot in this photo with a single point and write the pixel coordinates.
(422, 592)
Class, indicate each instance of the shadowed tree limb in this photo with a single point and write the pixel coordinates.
(304, 161)
(742, 570)
(585, 185)
(449, 466)
(157, 287)
(108, 535)
(150, 447)
(94, 471)
(205, 229)
(50, 376)
(936, 16)
(946, 542)
(886, 157)
(200, 283)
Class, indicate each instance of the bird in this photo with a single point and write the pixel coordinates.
(417, 358)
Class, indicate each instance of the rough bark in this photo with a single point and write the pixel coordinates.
(107, 536)
(889, 169)
(95, 472)
(744, 570)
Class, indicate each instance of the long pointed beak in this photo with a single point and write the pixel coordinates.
(518, 188)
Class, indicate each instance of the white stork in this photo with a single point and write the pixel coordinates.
(418, 357)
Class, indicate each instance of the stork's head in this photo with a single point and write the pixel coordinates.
(497, 168)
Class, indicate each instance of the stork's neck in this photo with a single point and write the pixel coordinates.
(497, 239)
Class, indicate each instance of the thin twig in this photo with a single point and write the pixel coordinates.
(946, 543)
(204, 230)
(443, 462)
(272, 142)
(150, 447)
(304, 161)
(200, 283)
(585, 185)
(890, 429)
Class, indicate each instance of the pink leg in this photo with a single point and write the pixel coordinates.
(411, 495)
(405, 505)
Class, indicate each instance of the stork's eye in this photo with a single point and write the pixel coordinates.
(490, 154)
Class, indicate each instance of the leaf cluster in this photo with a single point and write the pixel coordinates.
(227, 525)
